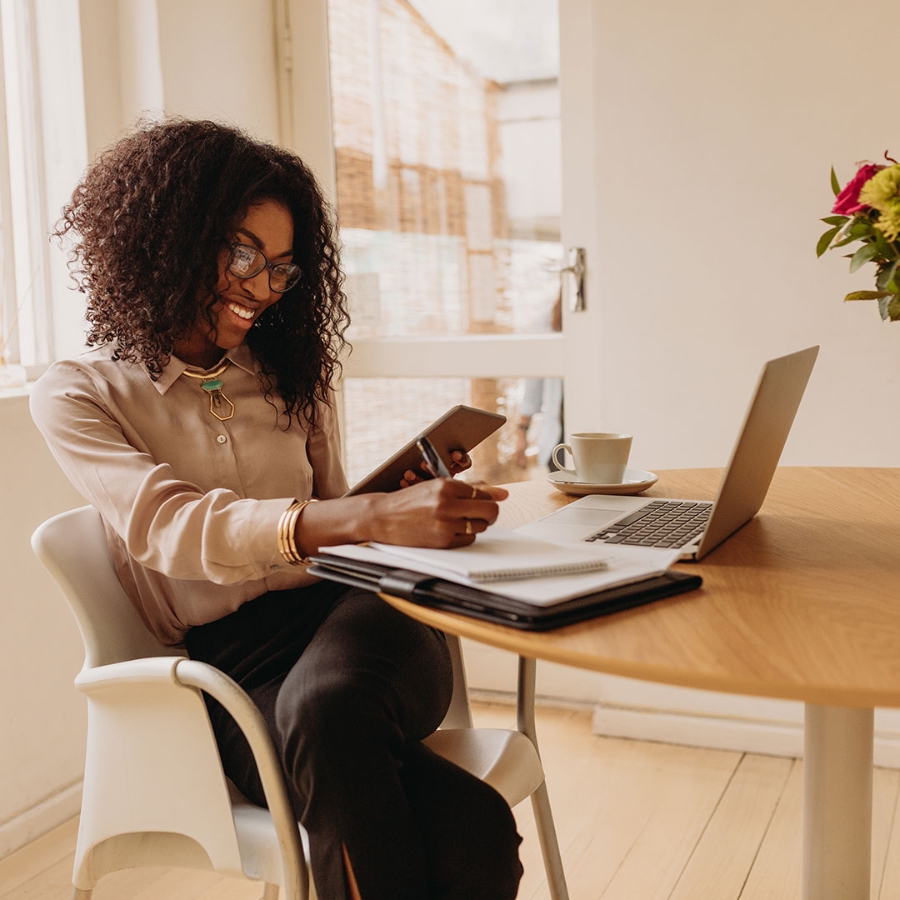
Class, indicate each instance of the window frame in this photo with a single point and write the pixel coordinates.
(43, 152)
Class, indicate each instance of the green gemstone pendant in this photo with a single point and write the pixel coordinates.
(216, 398)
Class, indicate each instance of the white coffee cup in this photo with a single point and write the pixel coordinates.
(600, 456)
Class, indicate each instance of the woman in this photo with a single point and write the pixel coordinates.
(202, 427)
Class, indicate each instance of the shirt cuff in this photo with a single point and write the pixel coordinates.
(261, 535)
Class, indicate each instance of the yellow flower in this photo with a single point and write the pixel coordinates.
(882, 192)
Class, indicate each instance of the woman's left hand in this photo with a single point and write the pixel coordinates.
(459, 462)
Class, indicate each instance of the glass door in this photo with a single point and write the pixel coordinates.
(445, 123)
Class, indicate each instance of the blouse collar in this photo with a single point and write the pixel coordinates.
(240, 356)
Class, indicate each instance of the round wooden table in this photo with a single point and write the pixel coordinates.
(801, 603)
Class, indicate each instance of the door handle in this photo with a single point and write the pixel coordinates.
(576, 268)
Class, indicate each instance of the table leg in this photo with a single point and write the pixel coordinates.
(837, 803)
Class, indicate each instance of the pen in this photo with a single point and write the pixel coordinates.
(433, 463)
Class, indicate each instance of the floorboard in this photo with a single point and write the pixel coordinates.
(635, 819)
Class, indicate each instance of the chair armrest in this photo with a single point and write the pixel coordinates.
(146, 670)
(182, 673)
(217, 684)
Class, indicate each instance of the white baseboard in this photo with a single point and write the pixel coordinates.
(644, 710)
(37, 820)
(746, 735)
(769, 737)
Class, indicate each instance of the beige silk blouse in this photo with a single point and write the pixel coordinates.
(191, 504)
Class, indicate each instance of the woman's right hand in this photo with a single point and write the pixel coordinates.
(441, 512)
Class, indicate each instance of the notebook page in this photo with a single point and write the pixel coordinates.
(501, 555)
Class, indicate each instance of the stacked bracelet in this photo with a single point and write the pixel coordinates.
(287, 527)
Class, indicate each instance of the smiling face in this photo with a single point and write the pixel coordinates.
(269, 227)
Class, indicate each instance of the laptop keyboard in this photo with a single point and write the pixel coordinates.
(661, 523)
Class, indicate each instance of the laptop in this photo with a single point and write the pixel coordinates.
(691, 526)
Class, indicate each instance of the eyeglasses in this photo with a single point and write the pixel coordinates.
(247, 262)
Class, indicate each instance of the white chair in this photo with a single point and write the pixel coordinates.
(154, 789)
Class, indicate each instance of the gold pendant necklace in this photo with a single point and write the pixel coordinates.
(212, 384)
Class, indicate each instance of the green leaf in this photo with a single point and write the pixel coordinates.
(886, 250)
(889, 307)
(862, 256)
(835, 184)
(826, 240)
(886, 275)
(858, 231)
(860, 228)
(836, 220)
(868, 295)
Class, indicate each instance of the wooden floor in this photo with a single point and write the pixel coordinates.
(635, 820)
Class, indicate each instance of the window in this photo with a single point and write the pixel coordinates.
(446, 139)
(42, 153)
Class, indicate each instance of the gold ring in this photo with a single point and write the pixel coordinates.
(468, 526)
(474, 492)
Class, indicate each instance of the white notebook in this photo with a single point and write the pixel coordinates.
(624, 565)
(499, 555)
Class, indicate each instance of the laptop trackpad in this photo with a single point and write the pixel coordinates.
(592, 518)
(584, 517)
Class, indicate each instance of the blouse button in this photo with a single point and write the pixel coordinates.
(221, 438)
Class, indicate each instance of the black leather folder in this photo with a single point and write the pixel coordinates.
(450, 596)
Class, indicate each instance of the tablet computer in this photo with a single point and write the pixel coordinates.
(460, 428)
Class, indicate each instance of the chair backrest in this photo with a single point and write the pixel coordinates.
(154, 790)
(74, 549)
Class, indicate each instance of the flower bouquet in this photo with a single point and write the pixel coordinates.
(867, 210)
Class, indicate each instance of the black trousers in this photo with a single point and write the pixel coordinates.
(349, 687)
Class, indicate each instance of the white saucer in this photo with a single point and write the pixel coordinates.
(635, 481)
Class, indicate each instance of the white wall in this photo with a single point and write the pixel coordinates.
(198, 58)
(218, 61)
(710, 129)
(41, 715)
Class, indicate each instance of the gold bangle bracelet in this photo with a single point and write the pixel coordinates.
(287, 526)
(284, 524)
(292, 534)
(282, 532)
(290, 524)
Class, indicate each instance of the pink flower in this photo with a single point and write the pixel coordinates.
(847, 202)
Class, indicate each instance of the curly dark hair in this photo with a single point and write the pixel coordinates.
(149, 220)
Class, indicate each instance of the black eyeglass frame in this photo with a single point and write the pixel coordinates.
(291, 271)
